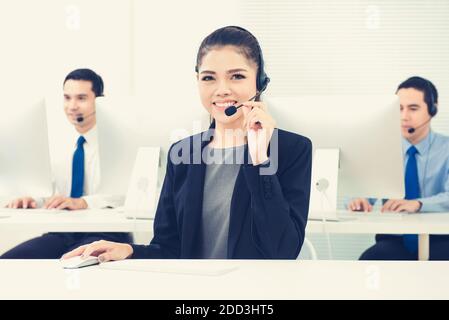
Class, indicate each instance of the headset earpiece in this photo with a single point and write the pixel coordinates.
(432, 106)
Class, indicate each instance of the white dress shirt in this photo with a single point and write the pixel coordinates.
(62, 174)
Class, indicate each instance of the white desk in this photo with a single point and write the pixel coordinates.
(113, 221)
(72, 221)
(251, 280)
(423, 224)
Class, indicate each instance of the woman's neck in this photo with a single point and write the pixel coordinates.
(229, 135)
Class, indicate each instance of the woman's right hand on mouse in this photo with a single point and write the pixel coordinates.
(104, 250)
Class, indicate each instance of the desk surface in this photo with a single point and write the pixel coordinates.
(115, 221)
(250, 280)
(72, 221)
(424, 223)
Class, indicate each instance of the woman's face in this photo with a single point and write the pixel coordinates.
(226, 78)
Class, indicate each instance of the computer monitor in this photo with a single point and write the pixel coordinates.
(25, 168)
(356, 140)
(126, 124)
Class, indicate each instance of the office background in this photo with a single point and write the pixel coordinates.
(148, 49)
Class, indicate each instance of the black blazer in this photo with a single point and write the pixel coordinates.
(268, 212)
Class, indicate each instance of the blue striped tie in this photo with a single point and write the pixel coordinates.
(412, 192)
(78, 170)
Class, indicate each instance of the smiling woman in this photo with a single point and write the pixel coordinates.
(255, 208)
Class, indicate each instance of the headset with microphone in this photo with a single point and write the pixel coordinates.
(431, 107)
(230, 111)
(413, 130)
(97, 88)
(262, 79)
(81, 118)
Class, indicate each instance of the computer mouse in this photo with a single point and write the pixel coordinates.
(78, 262)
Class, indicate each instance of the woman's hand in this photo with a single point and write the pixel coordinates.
(104, 250)
(260, 127)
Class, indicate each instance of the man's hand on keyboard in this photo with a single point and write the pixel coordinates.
(360, 204)
(401, 205)
(23, 203)
(64, 203)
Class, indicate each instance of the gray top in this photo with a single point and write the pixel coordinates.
(223, 166)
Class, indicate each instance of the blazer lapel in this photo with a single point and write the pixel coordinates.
(241, 200)
(192, 220)
(193, 212)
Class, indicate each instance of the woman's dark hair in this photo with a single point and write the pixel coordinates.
(240, 38)
(88, 75)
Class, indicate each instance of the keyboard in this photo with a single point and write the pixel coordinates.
(194, 268)
(378, 214)
(7, 211)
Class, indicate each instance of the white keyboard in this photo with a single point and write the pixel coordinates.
(194, 268)
(378, 214)
(7, 211)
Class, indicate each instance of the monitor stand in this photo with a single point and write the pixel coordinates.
(323, 195)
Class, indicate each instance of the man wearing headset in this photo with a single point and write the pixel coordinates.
(76, 175)
(426, 164)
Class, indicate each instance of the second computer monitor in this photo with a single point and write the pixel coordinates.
(25, 168)
(365, 130)
(128, 123)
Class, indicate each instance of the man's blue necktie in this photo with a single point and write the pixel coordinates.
(78, 170)
(412, 192)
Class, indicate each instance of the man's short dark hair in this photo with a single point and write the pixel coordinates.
(423, 85)
(88, 75)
